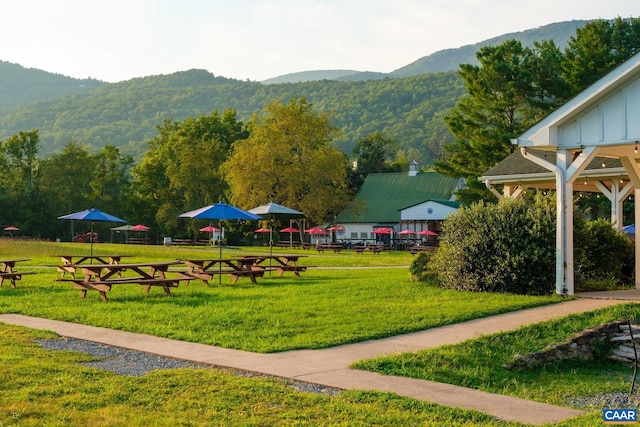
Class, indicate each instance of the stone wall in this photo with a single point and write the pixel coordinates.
(582, 346)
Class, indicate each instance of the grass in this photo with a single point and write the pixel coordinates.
(479, 363)
(348, 298)
(39, 387)
(324, 307)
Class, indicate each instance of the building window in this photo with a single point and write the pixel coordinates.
(354, 235)
(364, 235)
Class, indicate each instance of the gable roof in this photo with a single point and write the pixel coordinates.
(519, 168)
(383, 195)
(605, 113)
(450, 203)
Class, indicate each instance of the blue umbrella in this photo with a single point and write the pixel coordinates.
(92, 215)
(629, 229)
(220, 211)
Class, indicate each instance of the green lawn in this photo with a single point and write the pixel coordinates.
(347, 298)
(326, 306)
(39, 387)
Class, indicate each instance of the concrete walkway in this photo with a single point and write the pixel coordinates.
(330, 367)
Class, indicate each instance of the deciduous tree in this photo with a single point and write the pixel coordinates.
(288, 159)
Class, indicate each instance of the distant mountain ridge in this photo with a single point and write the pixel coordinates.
(20, 85)
(408, 104)
(442, 60)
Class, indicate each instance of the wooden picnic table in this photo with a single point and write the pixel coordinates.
(206, 269)
(8, 271)
(335, 247)
(421, 248)
(282, 263)
(70, 266)
(100, 277)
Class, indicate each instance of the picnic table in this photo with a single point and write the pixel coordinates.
(375, 249)
(282, 263)
(69, 265)
(289, 244)
(100, 277)
(335, 247)
(421, 248)
(8, 271)
(206, 269)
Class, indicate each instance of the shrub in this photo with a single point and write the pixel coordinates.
(506, 247)
(419, 269)
(603, 256)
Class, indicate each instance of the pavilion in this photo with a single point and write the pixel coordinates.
(588, 144)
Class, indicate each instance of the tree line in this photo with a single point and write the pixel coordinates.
(284, 155)
(515, 86)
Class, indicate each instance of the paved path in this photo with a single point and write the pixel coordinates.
(330, 367)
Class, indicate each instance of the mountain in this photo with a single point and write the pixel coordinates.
(19, 85)
(450, 59)
(408, 104)
(442, 60)
(126, 114)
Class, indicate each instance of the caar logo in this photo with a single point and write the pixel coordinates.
(620, 416)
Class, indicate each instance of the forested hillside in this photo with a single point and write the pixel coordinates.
(126, 114)
(407, 105)
(19, 85)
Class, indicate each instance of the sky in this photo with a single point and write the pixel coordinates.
(118, 40)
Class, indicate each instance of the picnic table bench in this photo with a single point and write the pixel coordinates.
(100, 277)
(375, 249)
(416, 249)
(282, 263)
(183, 242)
(139, 241)
(289, 244)
(69, 265)
(8, 271)
(335, 247)
(206, 269)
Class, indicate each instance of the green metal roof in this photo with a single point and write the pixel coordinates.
(383, 195)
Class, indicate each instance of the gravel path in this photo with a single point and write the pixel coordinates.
(137, 363)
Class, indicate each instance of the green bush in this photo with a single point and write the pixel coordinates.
(419, 269)
(510, 247)
(505, 247)
(603, 256)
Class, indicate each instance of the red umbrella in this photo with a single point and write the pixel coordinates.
(316, 230)
(263, 230)
(139, 227)
(209, 229)
(383, 230)
(289, 230)
(335, 228)
(428, 233)
(11, 228)
(405, 232)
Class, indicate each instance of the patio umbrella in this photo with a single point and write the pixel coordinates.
(289, 230)
(407, 232)
(92, 215)
(262, 230)
(316, 230)
(629, 229)
(210, 229)
(11, 229)
(428, 233)
(335, 228)
(220, 211)
(274, 212)
(139, 227)
(383, 230)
